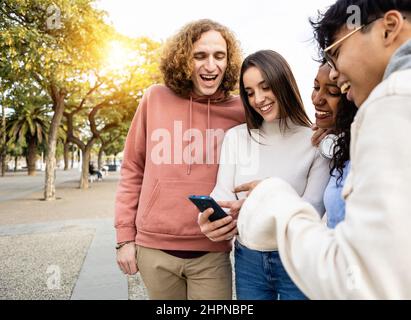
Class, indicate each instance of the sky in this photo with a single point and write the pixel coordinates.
(281, 26)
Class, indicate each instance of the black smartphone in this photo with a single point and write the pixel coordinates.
(205, 202)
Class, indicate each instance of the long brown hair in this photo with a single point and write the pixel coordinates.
(278, 75)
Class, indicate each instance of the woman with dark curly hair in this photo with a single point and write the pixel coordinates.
(171, 152)
(334, 113)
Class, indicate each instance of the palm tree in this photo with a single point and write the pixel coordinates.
(15, 151)
(28, 126)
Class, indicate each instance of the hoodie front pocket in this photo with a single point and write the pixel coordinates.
(170, 212)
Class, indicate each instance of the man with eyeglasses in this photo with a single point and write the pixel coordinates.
(367, 256)
(374, 58)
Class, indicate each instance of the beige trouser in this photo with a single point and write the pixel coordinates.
(170, 278)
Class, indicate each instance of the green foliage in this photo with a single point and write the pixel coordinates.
(15, 150)
(30, 119)
(68, 45)
(107, 98)
(32, 42)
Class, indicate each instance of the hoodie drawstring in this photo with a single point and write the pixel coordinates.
(207, 134)
(208, 142)
(189, 144)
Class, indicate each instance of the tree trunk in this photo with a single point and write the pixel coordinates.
(84, 168)
(100, 158)
(72, 156)
(50, 183)
(3, 150)
(66, 156)
(31, 156)
(3, 164)
(16, 162)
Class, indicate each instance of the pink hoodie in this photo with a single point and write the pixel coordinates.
(165, 161)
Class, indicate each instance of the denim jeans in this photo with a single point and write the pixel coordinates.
(261, 276)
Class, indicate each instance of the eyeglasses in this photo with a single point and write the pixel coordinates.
(328, 57)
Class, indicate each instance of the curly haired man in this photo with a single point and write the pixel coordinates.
(171, 152)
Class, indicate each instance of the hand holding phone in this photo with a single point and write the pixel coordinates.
(206, 202)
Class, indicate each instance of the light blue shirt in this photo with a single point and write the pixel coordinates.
(333, 201)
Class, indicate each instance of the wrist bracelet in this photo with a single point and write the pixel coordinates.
(122, 244)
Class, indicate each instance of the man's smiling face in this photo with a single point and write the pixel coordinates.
(360, 62)
(210, 63)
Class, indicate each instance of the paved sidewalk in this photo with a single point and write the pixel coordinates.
(16, 185)
(100, 277)
(63, 249)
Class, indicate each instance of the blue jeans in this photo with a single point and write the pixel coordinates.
(261, 276)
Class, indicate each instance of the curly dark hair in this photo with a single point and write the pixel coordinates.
(344, 118)
(177, 58)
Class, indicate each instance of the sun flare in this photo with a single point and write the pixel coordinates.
(119, 56)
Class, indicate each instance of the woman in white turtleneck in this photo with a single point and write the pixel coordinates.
(275, 142)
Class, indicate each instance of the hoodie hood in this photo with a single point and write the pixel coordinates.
(218, 97)
(401, 60)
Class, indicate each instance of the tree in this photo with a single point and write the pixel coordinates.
(50, 42)
(67, 49)
(111, 143)
(107, 99)
(29, 120)
(29, 125)
(15, 151)
(3, 141)
(5, 89)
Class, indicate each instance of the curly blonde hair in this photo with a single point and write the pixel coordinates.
(177, 58)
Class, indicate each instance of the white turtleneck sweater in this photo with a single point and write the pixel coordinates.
(289, 156)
